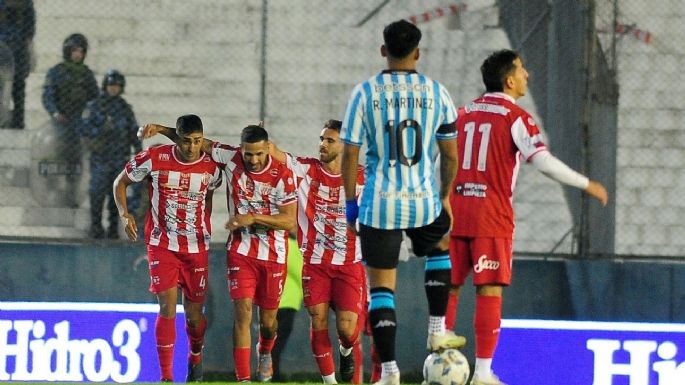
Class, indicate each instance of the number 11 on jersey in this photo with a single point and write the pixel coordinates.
(484, 130)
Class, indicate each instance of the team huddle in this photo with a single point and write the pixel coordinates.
(349, 218)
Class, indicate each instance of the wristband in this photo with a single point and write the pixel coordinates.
(351, 210)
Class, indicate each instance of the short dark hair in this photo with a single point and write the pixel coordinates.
(401, 37)
(333, 124)
(253, 134)
(188, 124)
(496, 68)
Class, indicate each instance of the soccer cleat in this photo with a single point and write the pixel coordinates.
(346, 367)
(194, 372)
(449, 340)
(165, 380)
(493, 380)
(391, 379)
(265, 368)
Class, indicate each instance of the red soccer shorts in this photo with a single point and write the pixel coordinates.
(489, 258)
(253, 278)
(341, 285)
(169, 269)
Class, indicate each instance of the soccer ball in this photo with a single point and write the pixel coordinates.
(448, 367)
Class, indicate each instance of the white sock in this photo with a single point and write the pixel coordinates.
(483, 366)
(329, 379)
(345, 351)
(389, 368)
(436, 325)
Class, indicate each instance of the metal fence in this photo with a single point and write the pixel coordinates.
(600, 75)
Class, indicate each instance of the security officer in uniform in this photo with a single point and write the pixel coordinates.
(17, 28)
(68, 86)
(109, 128)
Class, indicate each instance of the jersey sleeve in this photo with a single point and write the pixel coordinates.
(215, 182)
(527, 136)
(140, 166)
(298, 165)
(286, 193)
(448, 128)
(223, 153)
(352, 124)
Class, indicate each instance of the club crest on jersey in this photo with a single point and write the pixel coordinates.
(206, 177)
(334, 194)
(164, 157)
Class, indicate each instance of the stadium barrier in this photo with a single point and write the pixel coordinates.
(550, 289)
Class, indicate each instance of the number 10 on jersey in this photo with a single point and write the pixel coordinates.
(409, 129)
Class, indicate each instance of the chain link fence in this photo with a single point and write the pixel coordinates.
(644, 44)
(293, 65)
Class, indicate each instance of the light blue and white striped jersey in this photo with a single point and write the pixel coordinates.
(400, 115)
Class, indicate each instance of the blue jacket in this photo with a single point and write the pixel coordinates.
(110, 126)
(68, 87)
(17, 22)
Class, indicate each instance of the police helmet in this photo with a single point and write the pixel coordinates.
(72, 41)
(113, 76)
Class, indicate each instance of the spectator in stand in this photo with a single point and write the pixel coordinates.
(68, 87)
(110, 129)
(17, 28)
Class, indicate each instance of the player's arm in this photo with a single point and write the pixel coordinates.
(555, 169)
(350, 159)
(448, 165)
(277, 153)
(120, 183)
(151, 129)
(208, 202)
(284, 220)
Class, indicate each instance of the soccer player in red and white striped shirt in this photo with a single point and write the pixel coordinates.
(332, 272)
(494, 134)
(177, 233)
(262, 208)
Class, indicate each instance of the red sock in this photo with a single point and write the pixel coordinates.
(376, 370)
(451, 314)
(241, 357)
(196, 339)
(358, 377)
(266, 345)
(323, 353)
(165, 334)
(487, 324)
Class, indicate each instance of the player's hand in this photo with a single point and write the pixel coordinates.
(353, 228)
(148, 131)
(239, 220)
(597, 191)
(130, 226)
(447, 206)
